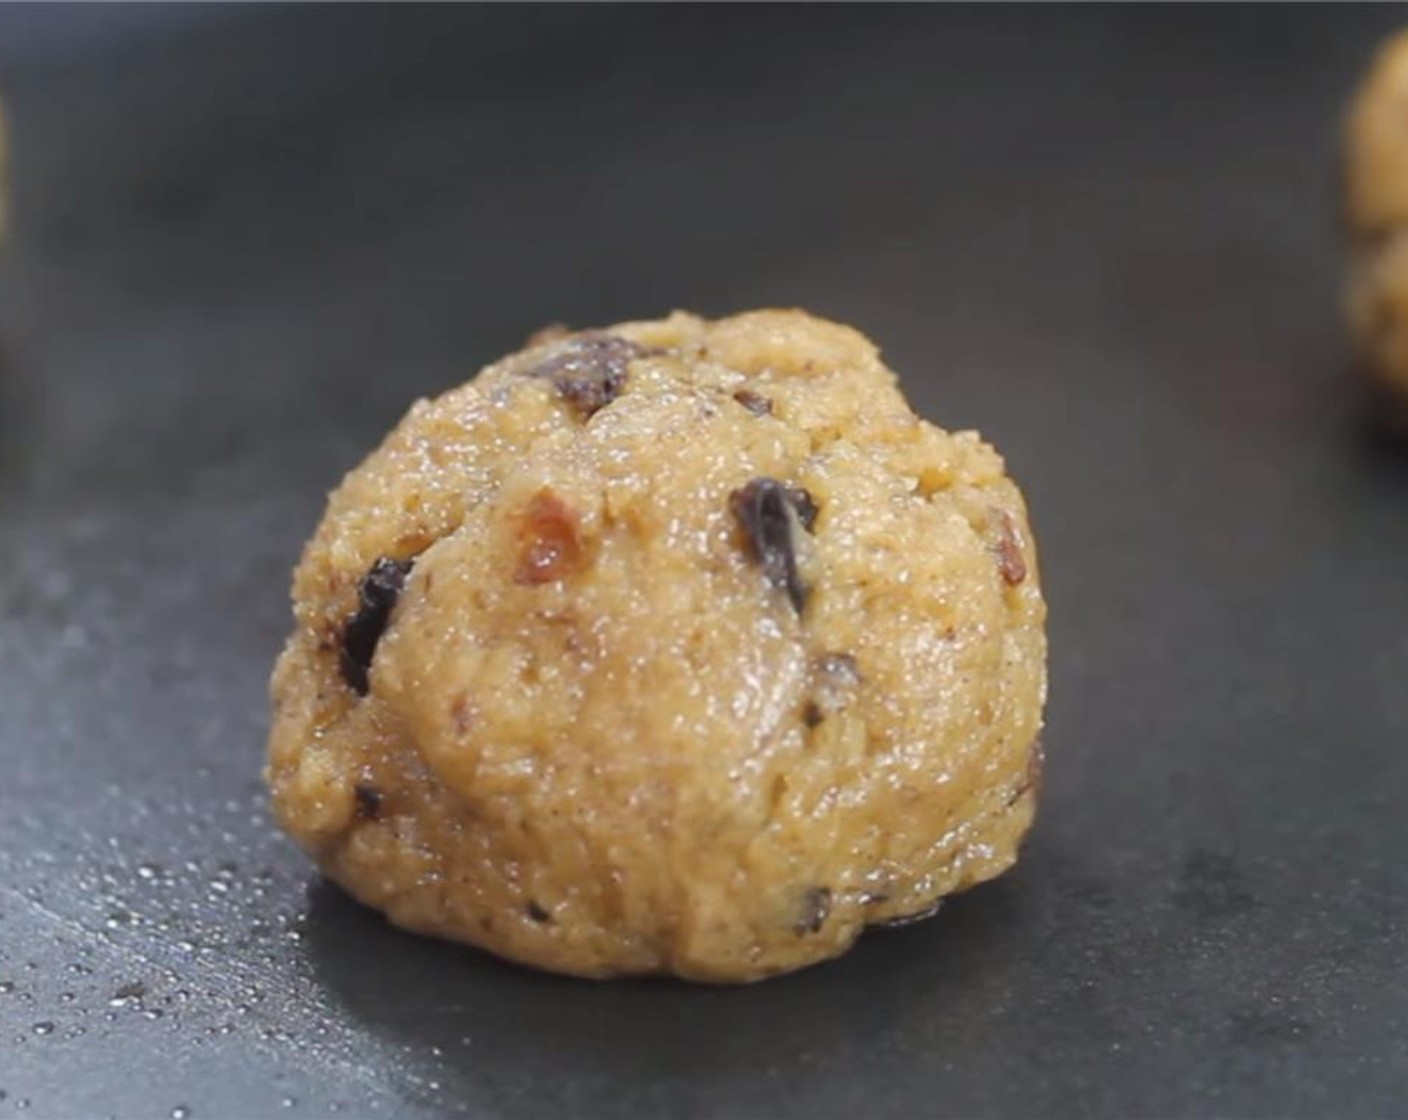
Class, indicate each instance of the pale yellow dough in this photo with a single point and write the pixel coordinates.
(602, 735)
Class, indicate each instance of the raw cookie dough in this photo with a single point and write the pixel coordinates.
(1376, 225)
(679, 647)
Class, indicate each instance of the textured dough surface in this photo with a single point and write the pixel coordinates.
(1376, 223)
(599, 736)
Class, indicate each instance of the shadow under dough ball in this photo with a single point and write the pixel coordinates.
(679, 647)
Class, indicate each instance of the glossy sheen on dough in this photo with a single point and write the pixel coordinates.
(1376, 221)
(601, 733)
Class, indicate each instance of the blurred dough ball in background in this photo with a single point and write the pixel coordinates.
(1375, 214)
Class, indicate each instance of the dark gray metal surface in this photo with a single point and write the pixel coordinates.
(1104, 237)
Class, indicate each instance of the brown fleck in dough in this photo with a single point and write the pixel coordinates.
(550, 544)
(461, 715)
(755, 403)
(610, 770)
(816, 908)
(1375, 222)
(1007, 548)
(368, 800)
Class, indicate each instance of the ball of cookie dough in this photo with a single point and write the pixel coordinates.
(678, 647)
(1376, 224)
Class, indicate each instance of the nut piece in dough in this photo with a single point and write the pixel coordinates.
(679, 647)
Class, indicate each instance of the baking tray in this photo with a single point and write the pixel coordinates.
(1105, 237)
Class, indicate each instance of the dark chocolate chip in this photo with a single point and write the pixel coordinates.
(816, 907)
(537, 913)
(765, 509)
(368, 801)
(805, 506)
(589, 369)
(377, 596)
(909, 919)
(812, 714)
(755, 403)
